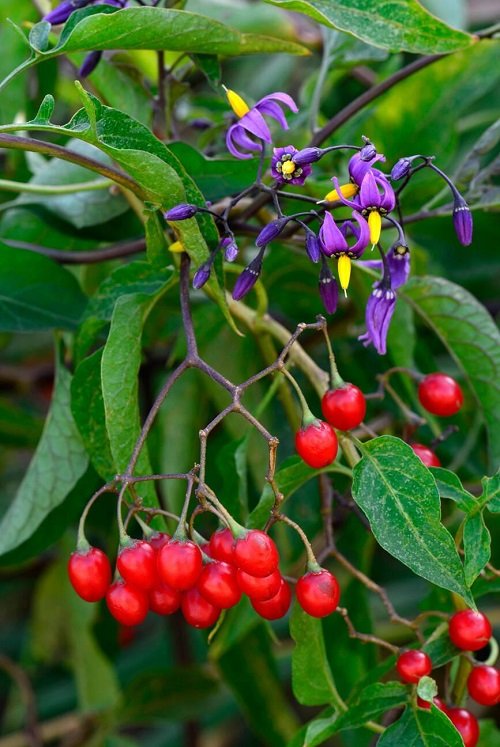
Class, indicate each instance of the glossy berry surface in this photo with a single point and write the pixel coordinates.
(164, 600)
(218, 584)
(260, 589)
(344, 408)
(318, 593)
(469, 630)
(440, 395)
(128, 604)
(197, 610)
(426, 455)
(317, 444)
(277, 606)
(466, 725)
(179, 564)
(256, 553)
(221, 546)
(137, 564)
(484, 685)
(90, 574)
(412, 665)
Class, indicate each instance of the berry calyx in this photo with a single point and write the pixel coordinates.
(179, 564)
(197, 610)
(221, 546)
(469, 630)
(317, 444)
(136, 564)
(426, 455)
(483, 685)
(128, 604)
(466, 725)
(90, 573)
(261, 589)
(440, 395)
(412, 665)
(277, 606)
(218, 584)
(255, 553)
(164, 600)
(345, 407)
(158, 539)
(318, 593)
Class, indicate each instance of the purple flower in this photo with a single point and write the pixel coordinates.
(307, 155)
(379, 311)
(230, 248)
(313, 246)
(368, 151)
(359, 165)
(181, 212)
(271, 231)
(202, 274)
(248, 277)
(370, 201)
(334, 243)
(462, 220)
(331, 237)
(397, 262)
(89, 64)
(284, 168)
(251, 130)
(400, 169)
(328, 288)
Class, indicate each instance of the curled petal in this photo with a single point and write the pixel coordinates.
(359, 167)
(274, 111)
(362, 234)
(379, 311)
(388, 198)
(330, 235)
(340, 195)
(236, 136)
(369, 195)
(283, 98)
(255, 123)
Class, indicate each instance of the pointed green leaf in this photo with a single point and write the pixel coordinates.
(421, 728)
(491, 493)
(477, 546)
(449, 486)
(374, 700)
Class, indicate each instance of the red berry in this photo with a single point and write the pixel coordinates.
(256, 554)
(197, 610)
(466, 725)
(426, 455)
(221, 546)
(440, 395)
(344, 408)
(317, 444)
(260, 589)
(412, 665)
(469, 630)
(127, 604)
(179, 564)
(484, 685)
(275, 607)
(318, 593)
(158, 539)
(218, 585)
(137, 564)
(437, 702)
(164, 600)
(90, 574)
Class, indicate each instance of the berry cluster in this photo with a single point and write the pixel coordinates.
(164, 574)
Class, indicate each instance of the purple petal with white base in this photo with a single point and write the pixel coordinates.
(379, 311)
(462, 220)
(248, 277)
(331, 238)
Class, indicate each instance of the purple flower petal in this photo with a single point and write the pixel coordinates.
(248, 277)
(313, 246)
(328, 289)
(462, 220)
(331, 238)
(254, 122)
(358, 167)
(236, 136)
(274, 111)
(379, 311)
(349, 203)
(369, 196)
(399, 265)
(284, 98)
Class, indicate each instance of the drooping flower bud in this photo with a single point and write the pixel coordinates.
(271, 231)
(89, 64)
(202, 274)
(313, 246)
(228, 244)
(328, 289)
(307, 155)
(462, 220)
(368, 151)
(248, 277)
(181, 212)
(401, 169)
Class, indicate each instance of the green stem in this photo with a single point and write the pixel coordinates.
(336, 380)
(312, 563)
(180, 533)
(54, 189)
(82, 542)
(307, 417)
(19, 69)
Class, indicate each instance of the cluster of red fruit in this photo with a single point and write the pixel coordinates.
(164, 574)
(468, 631)
(345, 407)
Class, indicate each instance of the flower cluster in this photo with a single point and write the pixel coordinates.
(368, 192)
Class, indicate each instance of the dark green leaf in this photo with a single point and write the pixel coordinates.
(312, 679)
(421, 728)
(210, 67)
(374, 700)
(316, 731)
(39, 36)
(397, 26)
(477, 546)
(36, 293)
(57, 465)
(472, 339)
(439, 647)
(491, 493)
(449, 486)
(399, 496)
(19, 428)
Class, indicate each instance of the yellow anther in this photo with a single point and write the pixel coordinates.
(288, 167)
(176, 247)
(375, 226)
(237, 104)
(344, 268)
(346, 190)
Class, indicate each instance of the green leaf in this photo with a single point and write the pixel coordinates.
(491, 492)
(477, 546)
(472, 339)
(316, 731)
(401, 26)
(210, 67)
(449, 486)
(399, 497)
(421, 728)
(427, 688)
(19, 428)
(439, 647)
(161, 28)
(57, 465)
(312, 679)
(36, 293)
(372, 702)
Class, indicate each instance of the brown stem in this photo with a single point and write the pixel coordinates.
(116, 251)
(33, 734)
(365, 637)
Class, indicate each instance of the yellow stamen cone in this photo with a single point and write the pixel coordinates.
(237, 104)
(176, 247)
(344, 268)
(288, 167)
(375, 226)
(346, 190)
